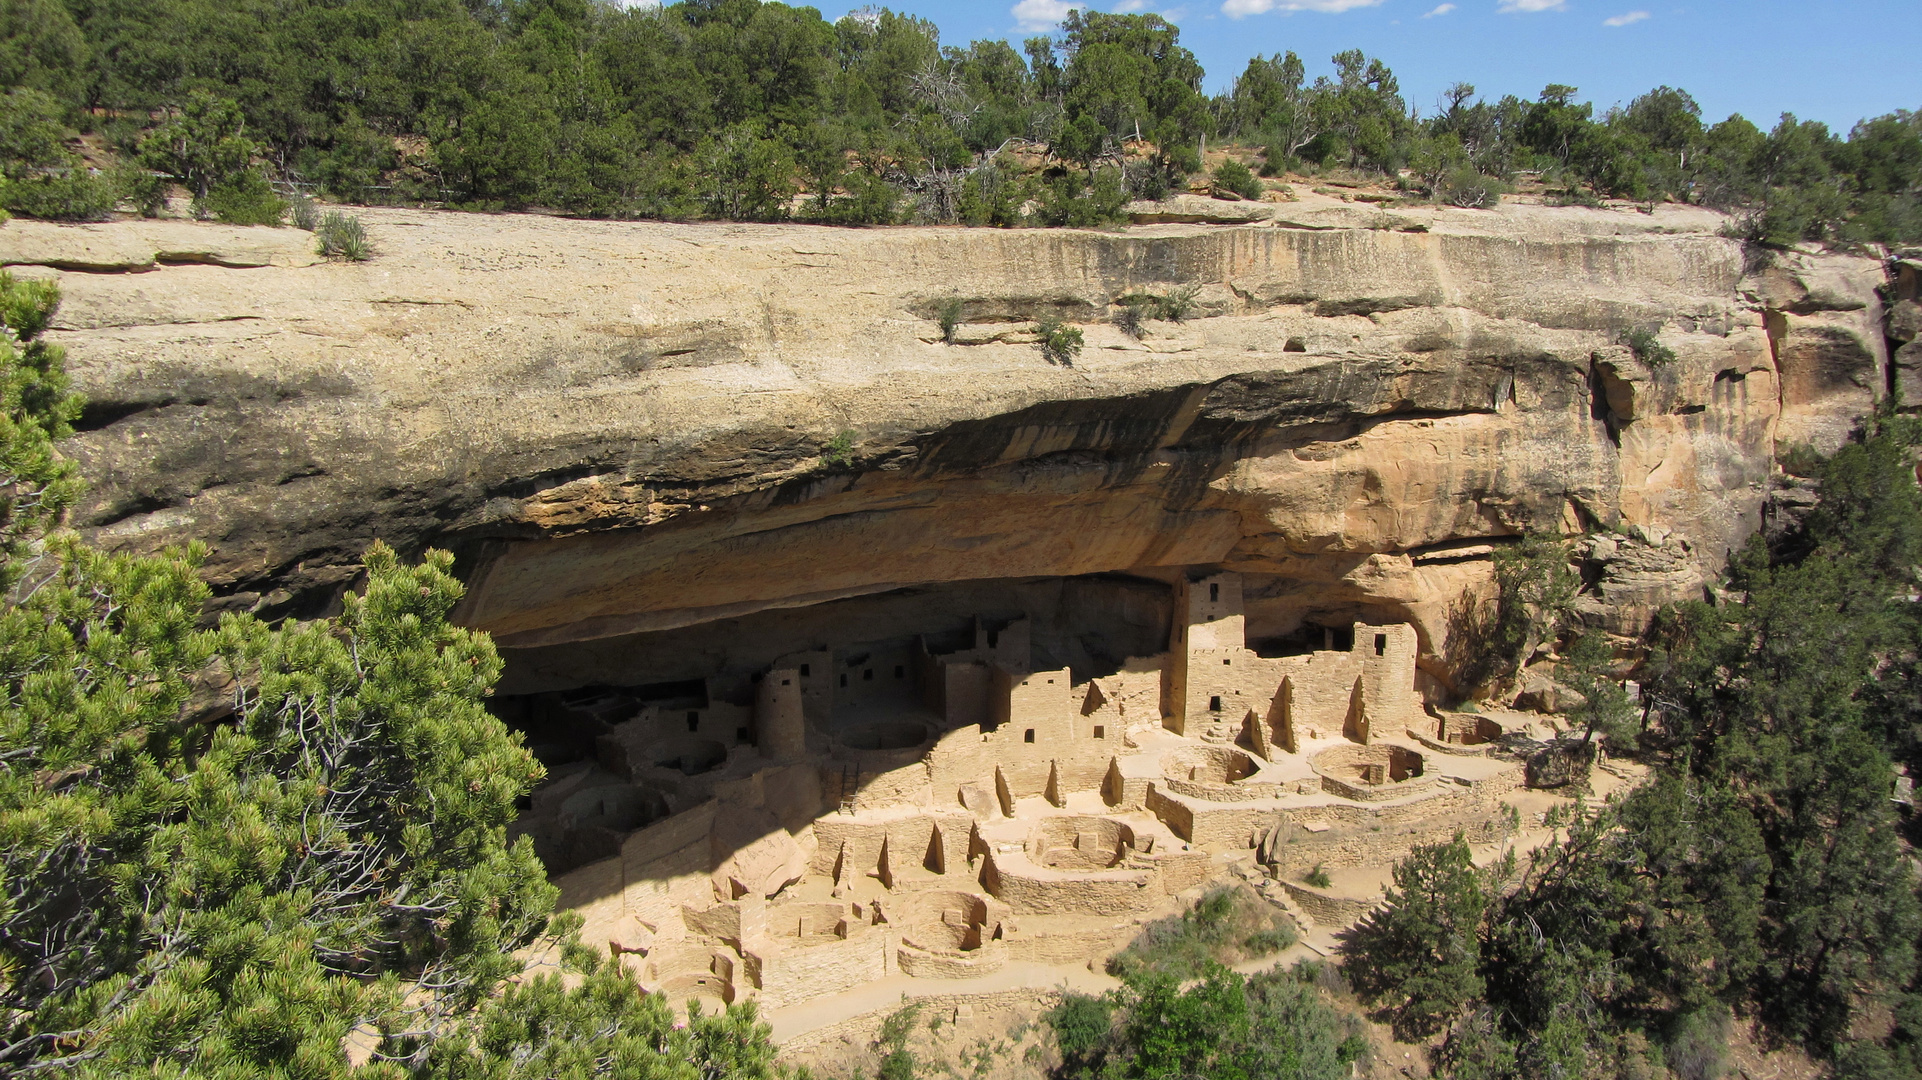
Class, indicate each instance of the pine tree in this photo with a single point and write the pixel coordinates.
(224, 849)
(1419, 953)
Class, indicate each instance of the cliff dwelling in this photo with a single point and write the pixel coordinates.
(1030, 783)
(868, 659)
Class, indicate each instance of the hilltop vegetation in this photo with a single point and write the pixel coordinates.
(734, 108)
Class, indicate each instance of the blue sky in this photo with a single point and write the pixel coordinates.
(1824, 60)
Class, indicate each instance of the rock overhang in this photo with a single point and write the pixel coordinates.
(630, 426)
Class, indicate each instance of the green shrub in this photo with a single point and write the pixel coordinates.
(143, 188)
(243, 199)
(1800, 459)
(42, 177)
(202, 146)
(1059, 343)
(1227, 925)
(1268, 942)
(74, 195)
(1074, 201)
(1469, 189)
(1573, 195)
(991, 195)
(1274, 162)
(1148, 180)
(233, 898)
(1174, 306)
(303, 213)
(1318, 877)
(868, 200)
(839, 452)
(1648, 348)
(1233, 175)
(1698, 1049)
(1535, 588)
(1179, 302)
(952, 310)
(1275, 1024)
(341, 236)
(1416, 955)
(899, 1062)
(1081, 1025)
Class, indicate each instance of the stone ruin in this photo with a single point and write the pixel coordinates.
(900, 810)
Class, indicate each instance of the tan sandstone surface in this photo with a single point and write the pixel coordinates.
(625, 427)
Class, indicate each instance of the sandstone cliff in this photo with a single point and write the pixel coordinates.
(632, 427)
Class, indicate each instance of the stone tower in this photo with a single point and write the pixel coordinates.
(780, 717)
(1200, 681)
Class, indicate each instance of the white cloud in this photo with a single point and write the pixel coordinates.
(1624, 20)
(1440, 10)
(1130, 5)
(1037, 15)
(1235, 9)
(1532, 5)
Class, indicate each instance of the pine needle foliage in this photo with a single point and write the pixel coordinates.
(1762, 870)
(223, 849)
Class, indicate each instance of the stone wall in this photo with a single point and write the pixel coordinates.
(1327, 909)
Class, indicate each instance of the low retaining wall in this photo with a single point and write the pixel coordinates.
(1032, 890)
(951, 964)
(1401, 789)
(861, 1030)
(1329, 910)
(1239, 791)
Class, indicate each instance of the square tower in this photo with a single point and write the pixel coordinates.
(1207, 653)
(1387, 655)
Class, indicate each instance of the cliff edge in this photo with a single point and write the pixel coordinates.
(629, 427)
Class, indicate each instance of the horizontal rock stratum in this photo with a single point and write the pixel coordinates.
(639, 426)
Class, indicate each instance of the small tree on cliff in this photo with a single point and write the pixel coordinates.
(1534, 588)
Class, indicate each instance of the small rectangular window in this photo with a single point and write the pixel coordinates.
(804, 671)
(900, 672)
(844, 678)
(740, 734)
(785, 682)
(1214, 704)
(693, 721)
(1225, 662)
(1028, 736)
(1100, 732)
(1214, 593)
(1381, 644)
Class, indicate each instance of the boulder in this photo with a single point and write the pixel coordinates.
(1905, 320)
(1563, 763)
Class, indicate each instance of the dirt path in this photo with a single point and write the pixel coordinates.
(819, 1012)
